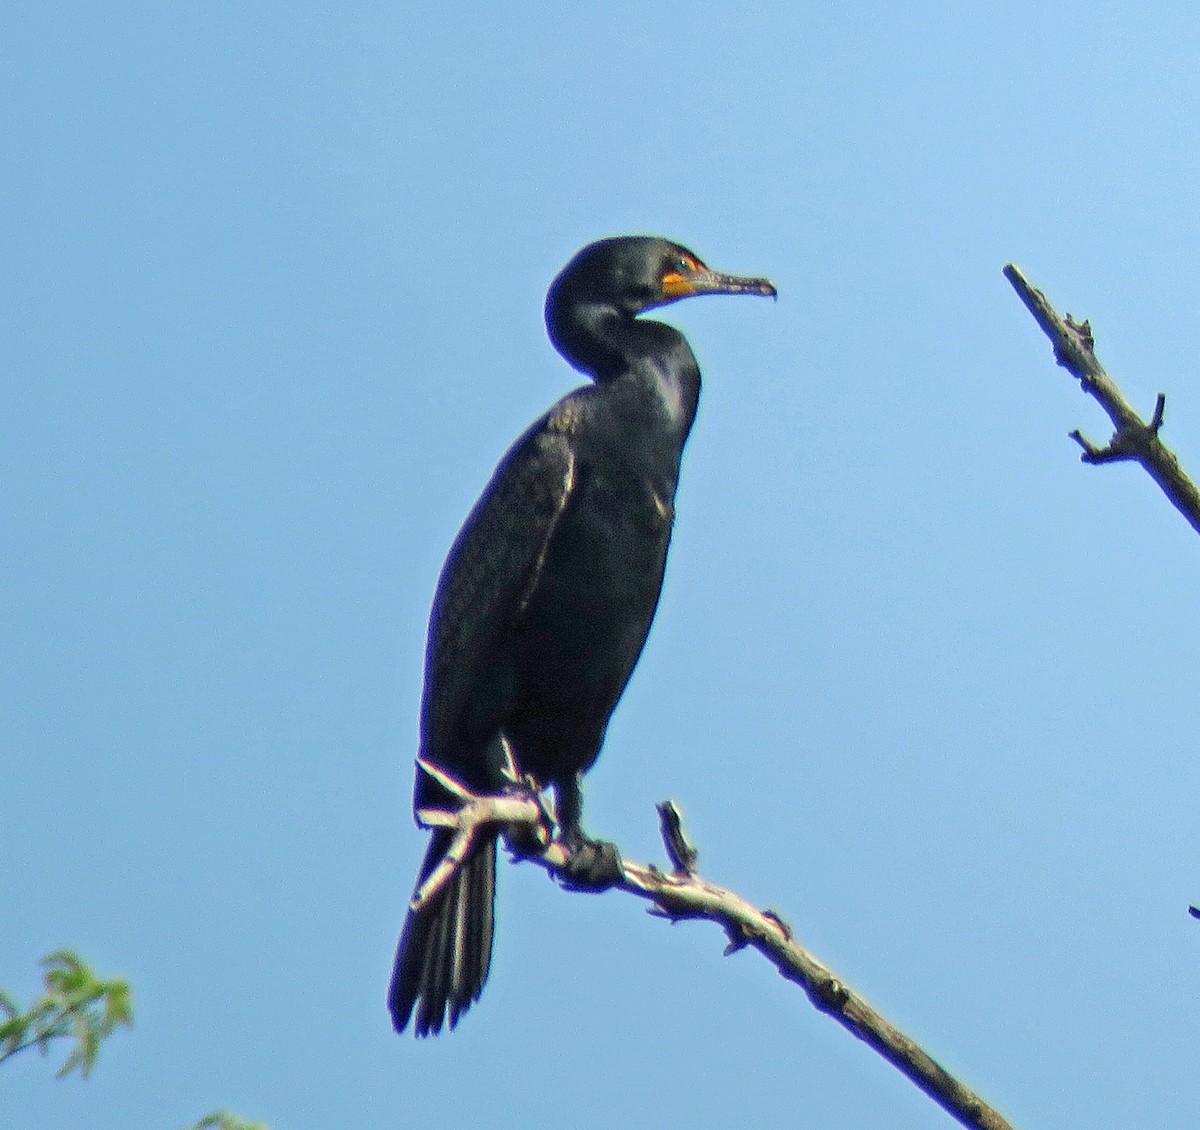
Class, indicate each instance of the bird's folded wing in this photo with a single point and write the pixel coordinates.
(493, 571)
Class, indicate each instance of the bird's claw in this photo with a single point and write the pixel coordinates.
(530, 839)
(594, 865)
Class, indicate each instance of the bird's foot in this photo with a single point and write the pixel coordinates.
(594, 865)
(530, 839)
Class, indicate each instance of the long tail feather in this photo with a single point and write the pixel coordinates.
(445, 951)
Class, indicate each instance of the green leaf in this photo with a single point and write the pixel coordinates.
(118, 1005)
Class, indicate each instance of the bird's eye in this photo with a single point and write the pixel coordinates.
(686, 265)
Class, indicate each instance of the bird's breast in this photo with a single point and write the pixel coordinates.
(610, 547)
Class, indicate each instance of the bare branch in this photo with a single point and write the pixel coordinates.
(680, 849)
(1133, 439)
(684, 894)
(524, 809)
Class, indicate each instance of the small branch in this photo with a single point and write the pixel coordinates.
(683, 894)
(40, 1041)
(1133, 439)
(680, 849)
(523, 809)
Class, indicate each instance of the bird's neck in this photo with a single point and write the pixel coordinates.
(612, 347)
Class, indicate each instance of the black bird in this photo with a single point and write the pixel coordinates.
(548, 593)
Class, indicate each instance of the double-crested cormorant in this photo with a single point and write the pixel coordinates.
(549, 590)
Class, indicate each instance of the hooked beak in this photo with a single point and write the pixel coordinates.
(677, 285)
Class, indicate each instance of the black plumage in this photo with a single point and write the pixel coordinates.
(548, 593)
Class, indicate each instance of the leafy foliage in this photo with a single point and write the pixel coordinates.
(223, 1120)
(76, 1005)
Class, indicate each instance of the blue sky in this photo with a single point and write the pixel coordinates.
(922, 682)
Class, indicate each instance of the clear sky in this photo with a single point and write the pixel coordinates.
(270, 307)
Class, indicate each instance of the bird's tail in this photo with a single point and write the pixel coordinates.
(445, 950)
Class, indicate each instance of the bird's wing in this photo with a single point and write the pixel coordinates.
(490, 575)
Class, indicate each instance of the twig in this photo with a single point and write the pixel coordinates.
(1132, 438)
(524, 809)
(683, 894)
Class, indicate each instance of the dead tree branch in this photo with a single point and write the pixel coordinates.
(1132, 438)
(682, 894)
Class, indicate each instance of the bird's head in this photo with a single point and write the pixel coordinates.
(591, 305)
(635, 273)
